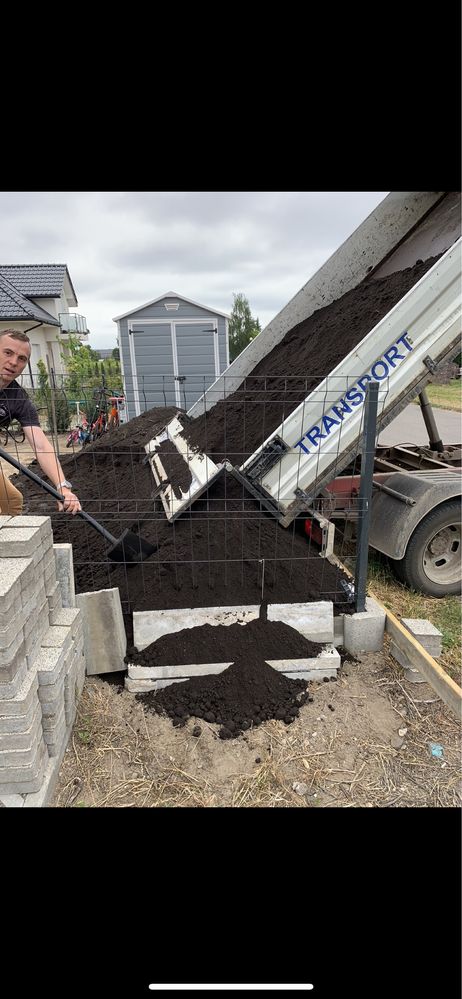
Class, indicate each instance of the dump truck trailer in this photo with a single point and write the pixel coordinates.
(305, 464)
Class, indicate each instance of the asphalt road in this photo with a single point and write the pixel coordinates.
(409, 427)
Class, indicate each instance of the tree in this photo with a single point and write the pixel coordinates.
(242, 326)
(116, 354)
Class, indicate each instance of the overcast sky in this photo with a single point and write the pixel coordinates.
(123, 249)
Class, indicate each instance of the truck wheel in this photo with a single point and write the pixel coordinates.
(432, 562)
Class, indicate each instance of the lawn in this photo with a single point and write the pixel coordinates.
(446, 396)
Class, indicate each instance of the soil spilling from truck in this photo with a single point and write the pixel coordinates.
(224, 549)
(244, 695)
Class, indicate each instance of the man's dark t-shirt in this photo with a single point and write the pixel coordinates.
(16, 405)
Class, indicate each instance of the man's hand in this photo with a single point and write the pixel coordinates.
(71, 502)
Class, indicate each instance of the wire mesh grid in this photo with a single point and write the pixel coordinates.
(228, 545)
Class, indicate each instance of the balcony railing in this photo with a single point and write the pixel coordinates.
(72, 323)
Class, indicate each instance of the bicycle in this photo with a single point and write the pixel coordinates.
(12, 431)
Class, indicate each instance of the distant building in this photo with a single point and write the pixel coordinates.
(171, 350)
(35, 299)
(103, 353)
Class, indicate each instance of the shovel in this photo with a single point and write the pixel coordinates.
(129, 548)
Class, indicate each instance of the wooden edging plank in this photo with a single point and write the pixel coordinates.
(433, 673)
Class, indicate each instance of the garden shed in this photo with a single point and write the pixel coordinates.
(171, 350)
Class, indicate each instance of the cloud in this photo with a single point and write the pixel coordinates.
(123, 249)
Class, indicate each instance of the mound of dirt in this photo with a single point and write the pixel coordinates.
(247, 693)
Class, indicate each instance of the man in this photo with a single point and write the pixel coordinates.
(15, 351)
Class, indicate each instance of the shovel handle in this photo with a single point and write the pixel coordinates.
(54, 492)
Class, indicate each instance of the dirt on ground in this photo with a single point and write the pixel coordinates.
(364, 741)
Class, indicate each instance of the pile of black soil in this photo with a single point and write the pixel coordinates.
(225, 549)
(221, 643)
(247, 693)
(236, 426)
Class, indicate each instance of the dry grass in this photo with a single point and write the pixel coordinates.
(445, 614)
(111, 762)
(446, 396)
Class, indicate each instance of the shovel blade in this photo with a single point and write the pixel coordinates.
(131, 549)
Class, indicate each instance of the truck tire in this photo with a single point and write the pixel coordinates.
(432, 562)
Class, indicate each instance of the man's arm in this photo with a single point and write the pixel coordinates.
(48, 461)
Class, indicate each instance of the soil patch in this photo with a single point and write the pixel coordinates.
(221, 643)
(247, 693)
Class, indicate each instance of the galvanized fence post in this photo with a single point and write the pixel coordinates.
(365, 493)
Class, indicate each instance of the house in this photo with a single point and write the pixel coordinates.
(171, 350)
(35, 299)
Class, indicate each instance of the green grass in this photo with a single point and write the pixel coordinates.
(445, 613)
(446, 396)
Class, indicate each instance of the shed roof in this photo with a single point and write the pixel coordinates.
(172, 294)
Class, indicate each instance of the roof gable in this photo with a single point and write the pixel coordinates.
(172, 294)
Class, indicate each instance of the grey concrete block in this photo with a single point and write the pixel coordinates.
(425, 632)
(22, 780)
(65, 573)
(314, 620)
(26, 739)
(57, 637)
(11, 759)
(49, 664)
(410, 672)
(23, 699)
(12, 800)
(43, 797)
(338, 629)
(105, 640)
(9, 688)
(12, 574)
(68, 617)
(13, 628)
(24, 542)
(4, 519)
(363, 631)
(17, 723)
(44, 523)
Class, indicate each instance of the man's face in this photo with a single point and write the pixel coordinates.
(14, 355)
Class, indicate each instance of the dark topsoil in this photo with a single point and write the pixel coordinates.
(216, 552)
(247, 693)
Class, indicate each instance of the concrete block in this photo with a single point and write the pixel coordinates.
(12, 573)
(4, 519)
(17, 723)
(44, 523)
(363, 631)
(65, 573)
(105, 640)
(13, 628)
(313, 620)
(68, 617)
(148, 626)
(42, 797)
(17, 758)
(25, 779)
(54, 598)
(49, 664)
(26, 739)
(425, 632)
(10, 655)
(410, 672)
(57, 637)
(23, 700)
(25, 542)
(9, 688)
(338, 629)
(11, 800)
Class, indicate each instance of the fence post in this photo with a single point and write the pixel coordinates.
(53, 408)
(365, 493)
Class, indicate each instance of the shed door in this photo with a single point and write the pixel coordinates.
(196, 356)
(154, 366)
